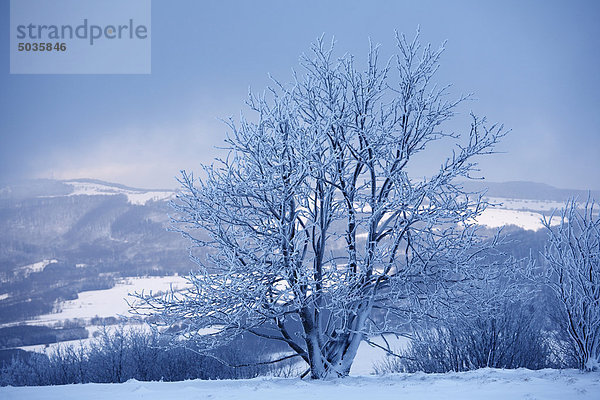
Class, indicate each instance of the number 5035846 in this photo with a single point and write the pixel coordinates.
(42, 46)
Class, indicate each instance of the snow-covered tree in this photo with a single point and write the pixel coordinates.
(573, 258)
(317, 235)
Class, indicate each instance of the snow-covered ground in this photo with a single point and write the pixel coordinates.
(39, 266)
(527, 205)
(110, 302)
(101, 303)
(488, 384)
(105, 303)
(526, 214)
(134, 196)
(496, 218)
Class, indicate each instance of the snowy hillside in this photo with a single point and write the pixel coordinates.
(110, 302)
(524, 213)
(134, 196)
(68, 246)
(488, 384)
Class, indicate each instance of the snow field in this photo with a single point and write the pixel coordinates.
(526, 214)
(35, 267)
(110, 302)
(496, 218)
(140, 197)
(488, 384)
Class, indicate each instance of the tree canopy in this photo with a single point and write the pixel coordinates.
(313, 231)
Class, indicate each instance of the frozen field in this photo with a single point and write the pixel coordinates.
(100, 303)
(496, 218)
(526, 214)
(110, 302)
(134, 196)
(487, 384)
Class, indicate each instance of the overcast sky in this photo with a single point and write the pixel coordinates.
(533, 66)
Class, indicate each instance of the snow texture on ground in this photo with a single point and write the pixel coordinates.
(35, 267)
(110, 302)
(134, 196)
(526, 214)
(488, 384)
(496, 218)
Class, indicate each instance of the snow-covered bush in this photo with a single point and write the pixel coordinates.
(573, 259)
(512, 338)
(123, 354)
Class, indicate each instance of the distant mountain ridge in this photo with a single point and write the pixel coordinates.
(511, 189)
(529, 190)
